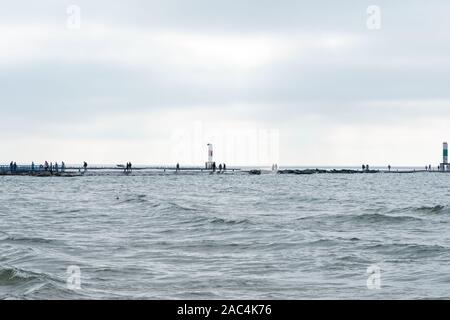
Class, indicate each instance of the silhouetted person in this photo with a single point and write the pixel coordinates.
(363, 167)
(367, 167)
(11, 167)
(32, 166)
(178, 167)
(51, 167)
(63, 167)
(56, 167)
(224, 167)
(214, 167)
(220, 167)
(389, 167)
(85, 165)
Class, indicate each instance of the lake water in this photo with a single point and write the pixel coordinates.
(201, 236)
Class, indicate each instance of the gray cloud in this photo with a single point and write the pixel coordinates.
(272, 63)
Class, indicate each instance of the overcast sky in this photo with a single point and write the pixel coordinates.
(293, 82)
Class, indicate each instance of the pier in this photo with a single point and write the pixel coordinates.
(73, 171)
(209, 168)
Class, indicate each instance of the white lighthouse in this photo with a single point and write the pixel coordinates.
(210, 163)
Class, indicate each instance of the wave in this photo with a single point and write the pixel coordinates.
(5, 237)
(68, 211)
(202, 219)
(27, 240)
(229, 221)
(172, 206)
(25, 284)
(437, 209)
(411, 250)
(378, 218)
(14, 276)
(140, 198)
(432, 209)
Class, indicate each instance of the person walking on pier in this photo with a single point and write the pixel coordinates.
(32, 166)
(85, 166)
(389, 168)
(56, 167)
(11, 167)
(15, 167)
(63, 167)
(178, 167)
(363, 168)
(224, 167)
(220, 168)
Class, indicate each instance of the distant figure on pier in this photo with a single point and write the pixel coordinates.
(220, 167)
(224, 167)
(363, 168)
(56, 167)
(11, 167)
(214, 167)
(130, 166)
(389, 168)
(429, 167)
(85, 166)
(367, 167)
(51, 167)
(178, 167)
(15, 167)
(32, 166)
(46, 166)
(63, 167)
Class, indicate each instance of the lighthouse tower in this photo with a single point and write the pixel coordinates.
(210, 163)
(444, 165)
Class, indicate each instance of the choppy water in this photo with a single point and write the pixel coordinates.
(226, 236)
